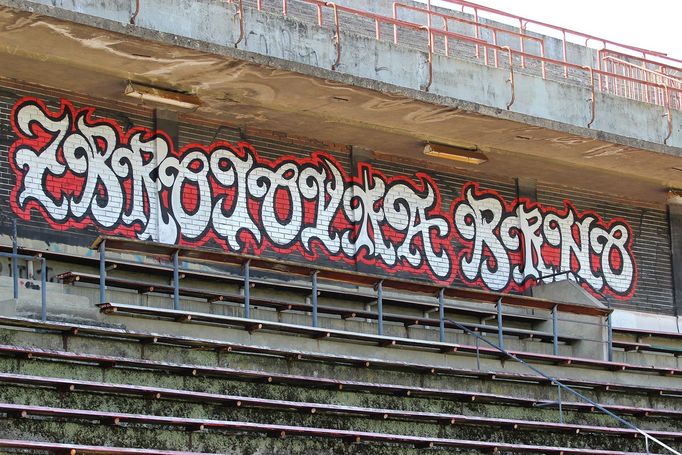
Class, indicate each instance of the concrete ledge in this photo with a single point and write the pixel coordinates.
(286, 44)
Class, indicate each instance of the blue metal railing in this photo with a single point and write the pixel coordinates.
(15, 257)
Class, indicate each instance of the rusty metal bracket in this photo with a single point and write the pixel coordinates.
(669, 114)
(337, 35)
(511, 76)
(592, 100)
(133, 16)
(240, 13)
(429, 80)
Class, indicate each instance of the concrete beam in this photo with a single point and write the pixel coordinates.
(292, 45)
(675, 219)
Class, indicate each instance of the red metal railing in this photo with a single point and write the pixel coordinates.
(565, 32)
(616, 70)
(477, 26)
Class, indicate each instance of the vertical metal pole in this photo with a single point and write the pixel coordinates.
(176, 280)
(43, 289)
(561, 406)
(313, 297)
(555, 331)
(500, 335)
(564, 47)
(478, 355)
(15, 268)
(609, 337)
(102, 272)
(247, 290)
(380, 306)
(441, 314)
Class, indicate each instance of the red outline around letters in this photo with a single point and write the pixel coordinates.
(510, 207)
(249, 244)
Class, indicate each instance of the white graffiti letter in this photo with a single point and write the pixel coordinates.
(406, 210)
(315, 187)
(231, 171)
(476, 220)
(266, 184)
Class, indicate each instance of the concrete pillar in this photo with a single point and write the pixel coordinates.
(359, 155)
(527, 189)
(675, 220)
(167, 121)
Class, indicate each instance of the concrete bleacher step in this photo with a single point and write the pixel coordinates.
(251, 325)
(246, 402)
(408, 315)
(298, 288)
(213, 296)
(282, 431)
(75, 449)
(68, 331)
(42, 375)
(630, 341)
(317, 382)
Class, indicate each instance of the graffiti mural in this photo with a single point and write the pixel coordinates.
(508, 245)
(75, 169)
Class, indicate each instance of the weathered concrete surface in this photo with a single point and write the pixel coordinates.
(280, 78)
(218, 441)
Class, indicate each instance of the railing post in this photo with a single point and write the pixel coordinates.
(555, 330)
(380, 307)
(313, 296)
(441, 315)
(15, 268)
(500, 334)
(176, 280)
(247, 289)
(43, 289)
(561, 405)
(102, 272)
(609, 338)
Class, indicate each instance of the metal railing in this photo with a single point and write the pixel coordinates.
(592, 77)
(15, 257)
(561, 386)
(565, 33)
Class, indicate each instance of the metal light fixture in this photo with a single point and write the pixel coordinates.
(451, 152)
(162, 96)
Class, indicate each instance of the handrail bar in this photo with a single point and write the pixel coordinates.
(642, 60)
(569, 389)
(476, 6)
(469, 21)
(389, 20)
(14, 256)
(611, 58)
(336, 274)
(597, 73)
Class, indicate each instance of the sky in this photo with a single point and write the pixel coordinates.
(651, 24)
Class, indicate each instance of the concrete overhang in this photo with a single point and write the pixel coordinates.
(96, 56)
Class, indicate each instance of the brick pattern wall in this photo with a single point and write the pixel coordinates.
(651, 243)
(410, 203)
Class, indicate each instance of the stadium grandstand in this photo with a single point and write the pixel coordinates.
(351, 227)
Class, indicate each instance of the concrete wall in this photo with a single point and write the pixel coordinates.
(462, 82)
(294, 199)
